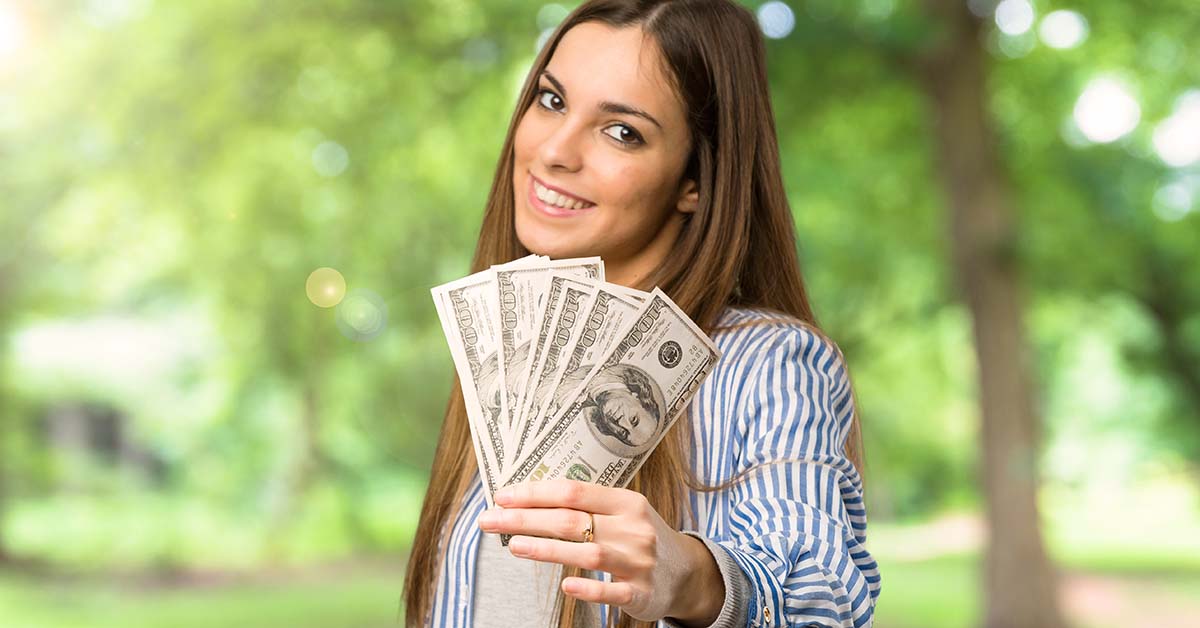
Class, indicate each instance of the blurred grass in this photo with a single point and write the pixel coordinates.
(933, 593)
(930, 567)
(928, 593)
(359, 598)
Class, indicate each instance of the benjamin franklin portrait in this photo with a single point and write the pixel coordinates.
(624, 409)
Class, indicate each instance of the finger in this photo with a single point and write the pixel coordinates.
(600, 592)
(573, 494)
(560, 523)
(590, 556)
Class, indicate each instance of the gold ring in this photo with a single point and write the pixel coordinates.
(587, 532)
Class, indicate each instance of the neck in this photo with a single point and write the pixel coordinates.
(634, 271)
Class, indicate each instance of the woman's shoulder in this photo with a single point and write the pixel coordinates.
(775, 372)
(757, 343)
(745, 332)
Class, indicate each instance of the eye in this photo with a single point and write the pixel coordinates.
(548, 104)
(626, 134)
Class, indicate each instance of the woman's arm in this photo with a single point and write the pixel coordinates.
(797, 522)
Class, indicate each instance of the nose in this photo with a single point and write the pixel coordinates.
(562, 149)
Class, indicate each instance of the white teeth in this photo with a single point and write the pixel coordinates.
(550, 197)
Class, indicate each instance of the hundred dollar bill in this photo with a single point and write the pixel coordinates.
(548, 305)
(607, 316)
(626, 403)
(466, 310)
(565, 326)
(520, 290)
(632, 294)
(489, 467)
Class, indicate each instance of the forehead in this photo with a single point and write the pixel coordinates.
(598, 62)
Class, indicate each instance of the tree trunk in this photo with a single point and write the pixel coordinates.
(4, 554)
(1020, 584)
(302, 473)
(1165, 297)
(5, 414)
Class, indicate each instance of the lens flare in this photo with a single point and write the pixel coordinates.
(325, 287)
(362, 315)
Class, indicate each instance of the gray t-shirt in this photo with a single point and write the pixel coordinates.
(511, 591)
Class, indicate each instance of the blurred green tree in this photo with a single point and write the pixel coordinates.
(212, 155)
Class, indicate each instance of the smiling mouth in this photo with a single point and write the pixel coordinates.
(554, 201)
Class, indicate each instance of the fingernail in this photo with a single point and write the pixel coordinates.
(489, 518)
(504, 495)
(518, 546)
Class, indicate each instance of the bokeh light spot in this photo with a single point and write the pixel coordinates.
(330, 159)
(1161, 52)
(551, 15)
(374, 50)
(325, 287)
(1106, 111)
(877, 10)
(12, 32)
(1014, 17)
(362, 315)
(543, 37)
(1177, 139)
(1016, 46)
(1174, 201)
(1063, 29)
(110, 13)
(481, 52)
(776, 19)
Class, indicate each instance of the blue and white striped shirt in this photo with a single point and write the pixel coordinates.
(778, 407)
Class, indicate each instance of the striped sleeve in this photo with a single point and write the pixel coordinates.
(798, 524)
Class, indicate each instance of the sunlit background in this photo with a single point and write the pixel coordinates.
(222, 377)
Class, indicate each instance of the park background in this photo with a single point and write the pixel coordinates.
(186, 439)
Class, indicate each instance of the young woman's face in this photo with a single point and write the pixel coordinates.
(615, 175)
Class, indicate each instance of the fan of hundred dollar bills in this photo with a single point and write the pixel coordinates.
(564, 374)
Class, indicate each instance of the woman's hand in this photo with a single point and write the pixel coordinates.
(656, 571)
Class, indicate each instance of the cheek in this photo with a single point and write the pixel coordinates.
(527, 138)
(521, 146)
(642, 189)
(628, 183)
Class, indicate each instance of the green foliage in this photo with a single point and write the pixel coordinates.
(185, 169)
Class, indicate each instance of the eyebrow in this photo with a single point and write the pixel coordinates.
(606, 106)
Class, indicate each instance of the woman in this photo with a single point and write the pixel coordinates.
(644, 134)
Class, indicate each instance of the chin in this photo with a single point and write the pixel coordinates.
(556, 247)
(544, 240)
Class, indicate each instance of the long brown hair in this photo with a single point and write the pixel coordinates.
(737, 249)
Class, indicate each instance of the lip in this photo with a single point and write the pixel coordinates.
(551, 210)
